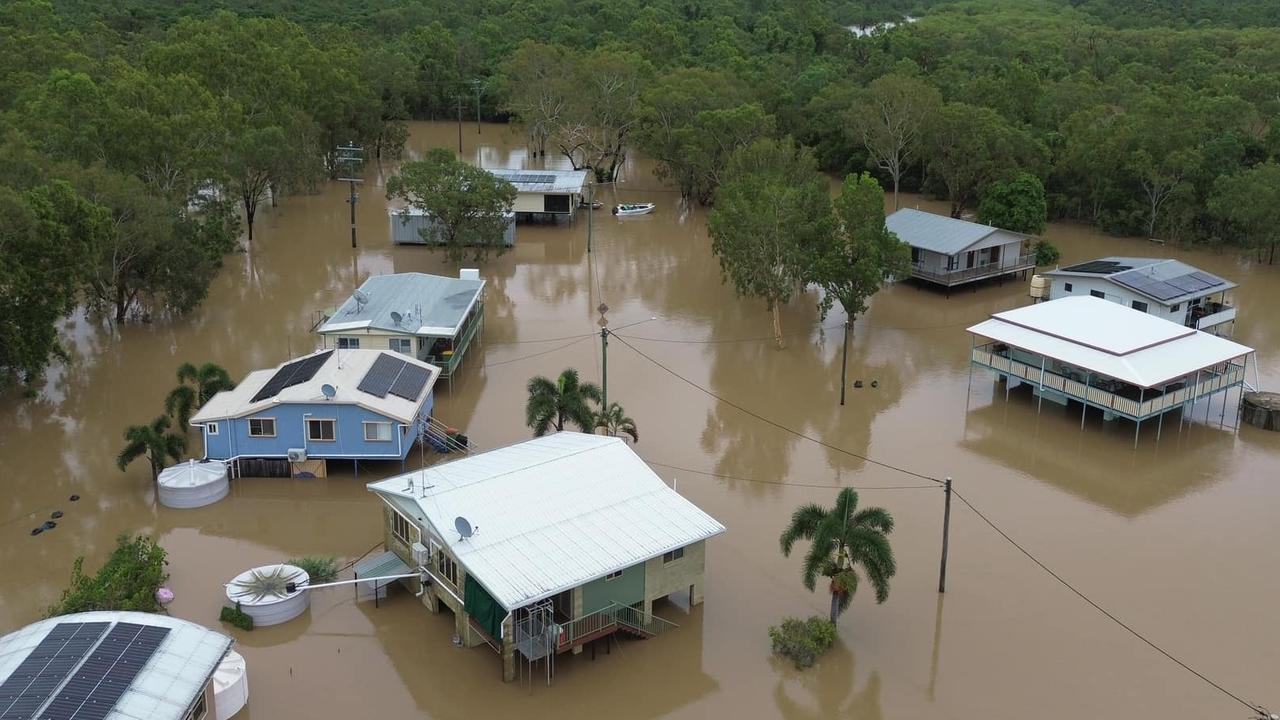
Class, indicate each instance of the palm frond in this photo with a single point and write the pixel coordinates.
(874, 517)
(804, 521)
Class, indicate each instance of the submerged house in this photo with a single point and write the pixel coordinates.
(329, 405)
(1124, 362)
(541, 547)
(552, 193)
(110, 665)
(415, 226)
(949, 252)
(1169, 289)
(428, 317)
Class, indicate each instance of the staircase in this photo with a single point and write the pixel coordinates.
(608, 620)
(436, 434)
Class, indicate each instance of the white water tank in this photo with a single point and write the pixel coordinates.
(469, 274)
(230, 686)
(192, 484)
(1039, 287)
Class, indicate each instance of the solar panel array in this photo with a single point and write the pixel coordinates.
(107, 673)
(391, 374)
(40, 673)
(528, 178)
(1099, 267)
(1168, 288)
(294, 373)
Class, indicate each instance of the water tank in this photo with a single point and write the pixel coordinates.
(1040, 287)
(230, 686)
(469, 273)
(192, 484)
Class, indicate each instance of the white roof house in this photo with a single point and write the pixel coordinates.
(342, 370)
(108, 665)
(425, 305)
(949, 251)
(544, 192)
(550, 514)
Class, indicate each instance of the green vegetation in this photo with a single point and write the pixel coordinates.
(1017, 205)
(127, 581)
(614, 421)
(469, 205)
(155, 442)
(320, 568)
(802, 641)
(553, 402)
(236, 617)
(196, 385)
(1046, 253)
(842, 539)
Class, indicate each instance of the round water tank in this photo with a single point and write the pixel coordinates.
(230, 686)
(192, 484)
(264, 594)
(1039, 287)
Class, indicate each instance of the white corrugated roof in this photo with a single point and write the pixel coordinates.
(543, 181)
(1109, 339)
(551, 513)
(343, 370)
(938, 233)
(165, 687)
(427, 304)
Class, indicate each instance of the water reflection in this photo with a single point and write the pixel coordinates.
(832, 689)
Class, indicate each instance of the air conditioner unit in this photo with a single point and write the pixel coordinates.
(421, 557)
(298, 455)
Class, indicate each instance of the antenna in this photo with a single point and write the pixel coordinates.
(361, 299)
(463, 526)
(328, 391)
(396, 317)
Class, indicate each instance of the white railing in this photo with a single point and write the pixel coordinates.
(1226, 314)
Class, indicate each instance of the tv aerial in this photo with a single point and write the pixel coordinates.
(463, 526)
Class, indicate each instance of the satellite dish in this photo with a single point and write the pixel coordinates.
(463, 526)
(328, 391)
(360, 297)
(396, 317)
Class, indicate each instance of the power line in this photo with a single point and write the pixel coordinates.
(542, 340)
(1101, 609)
(790, 484)
(776, 424)
(537, 354)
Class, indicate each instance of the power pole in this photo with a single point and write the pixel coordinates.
(591, 203)
(350, 161)
(459, 122)
(476, 83)
(946, 532)
(844, 359)
(604, 356)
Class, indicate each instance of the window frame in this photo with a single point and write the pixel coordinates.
(211, 428)
(411, 529)
(394, 344)
(391, 433)
(1098, 294)
(1066, 287)
(614, 575)
(347, 343)
(200, 708)
(673, 556)
(271, 420)
(332, 421)
(449, 573)
(1135, 303)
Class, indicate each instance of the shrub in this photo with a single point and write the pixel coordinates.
(128, 580)
(320, 568)
(236, 616)
(802, 641)
(1046, 253)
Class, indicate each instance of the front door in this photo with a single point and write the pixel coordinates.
(995, 255)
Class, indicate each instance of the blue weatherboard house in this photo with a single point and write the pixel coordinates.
(330, 405)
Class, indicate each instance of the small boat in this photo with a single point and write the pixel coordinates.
(583, 204)
(633, 209)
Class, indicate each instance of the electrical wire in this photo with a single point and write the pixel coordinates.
(537, 354)
(790, 484)
(362, 556)
(1099, 608)
(541, 340)
(774, 423)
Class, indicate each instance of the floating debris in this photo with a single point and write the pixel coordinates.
(37, 531)
(56, 514)
(857, 383)
(875, 383)
(49, 524)
(75, 498)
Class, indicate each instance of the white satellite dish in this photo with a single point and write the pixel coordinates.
(396, 317)
(463, 526)
(328, 391)
(361, 298)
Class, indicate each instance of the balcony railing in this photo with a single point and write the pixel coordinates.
(963, 275)
(449, 362)
(1216, 314)
(578, 631)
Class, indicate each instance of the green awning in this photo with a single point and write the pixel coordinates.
(481, 606)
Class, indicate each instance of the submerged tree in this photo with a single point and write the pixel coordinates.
(614, 421)
(842, 539)
(552, 402)
(196, 385)
(155, 442)
(1018, 205)
(969, 146)
(469, 206)
(889, 121)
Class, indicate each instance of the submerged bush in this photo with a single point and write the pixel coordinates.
(237, 617)
(128, 580)
(1046, 253)
(320, 568)
(802, 641)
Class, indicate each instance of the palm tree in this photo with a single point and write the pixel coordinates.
(614, 421)
(195, 386)
(551, 403)
(843, 538)
(153, 441)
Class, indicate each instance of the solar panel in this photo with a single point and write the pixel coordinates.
(1212, 280)
(382, 374)
(107, 673)
(294, 373)
(1099, 267)
(411, 381)
(41, 672)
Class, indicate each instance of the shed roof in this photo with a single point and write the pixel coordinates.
(163, 689)
(1109, 339)
(543, 181)
(1164, 280)
(550, 513)
(345, 370)
(939, 233)
(428, 305)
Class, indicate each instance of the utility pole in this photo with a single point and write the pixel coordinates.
(604, 356)
(459, 122)
(350, 161)
(946, 532)
(476, 83)
(844, 359)
(591, 203)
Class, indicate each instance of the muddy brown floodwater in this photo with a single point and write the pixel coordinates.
(1177, 538)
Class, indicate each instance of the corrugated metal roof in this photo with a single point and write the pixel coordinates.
(543, 181)
(169, 681)
(1109, 339)
(381, 565)
(938, 233)
(427, 304)
(551, 513)
(1157, 269)
(343, 370)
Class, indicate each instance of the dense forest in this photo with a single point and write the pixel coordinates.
(141, 136)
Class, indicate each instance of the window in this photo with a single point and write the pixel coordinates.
(447, 567)
(377, 431)
(199, 709)
(348, 343)
(211, 428)
(401, 345)
(613, 576)
(322, 430)
(404, 531)
(1175, 307)
(1139, 306)
(1098, 294)
(262, 427)
(673, 556)
(1066, 286)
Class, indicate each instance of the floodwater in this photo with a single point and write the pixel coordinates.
(1176, 538)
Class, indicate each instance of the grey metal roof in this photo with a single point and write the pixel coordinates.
(938, 233)
(1164, 280)
(543, 181)
(429, 305)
